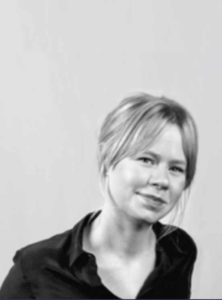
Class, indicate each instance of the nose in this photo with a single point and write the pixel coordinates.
(159, 178)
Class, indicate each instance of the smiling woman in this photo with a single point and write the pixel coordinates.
(147, 152)
(155, 177)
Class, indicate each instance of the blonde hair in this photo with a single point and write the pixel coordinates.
(134, 125)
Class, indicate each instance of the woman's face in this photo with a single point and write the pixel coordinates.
(148, 186)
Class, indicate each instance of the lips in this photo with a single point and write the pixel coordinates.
(153, 197)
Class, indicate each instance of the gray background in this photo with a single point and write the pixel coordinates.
(63, 66)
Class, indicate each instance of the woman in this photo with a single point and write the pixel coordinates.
(147, 152)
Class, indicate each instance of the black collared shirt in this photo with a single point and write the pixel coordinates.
(58, 268)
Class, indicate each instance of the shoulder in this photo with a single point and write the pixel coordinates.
(183, 240)
(30, 263)
(178, 240)
(177, 253)
(44, 252)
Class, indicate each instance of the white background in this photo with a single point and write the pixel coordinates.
(63, 65)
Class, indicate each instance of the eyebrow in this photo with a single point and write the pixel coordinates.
(157, 156)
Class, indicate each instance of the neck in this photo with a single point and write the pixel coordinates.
(115, 232)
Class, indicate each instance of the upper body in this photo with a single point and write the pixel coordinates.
(147, 152)
(59, 268)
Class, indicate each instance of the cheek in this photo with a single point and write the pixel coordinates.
(126, 179)
(132, 178)
(178, 190)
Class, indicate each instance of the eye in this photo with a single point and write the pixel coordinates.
(177, 170)
(147, 160)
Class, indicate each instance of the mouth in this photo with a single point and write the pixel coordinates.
(153, 199)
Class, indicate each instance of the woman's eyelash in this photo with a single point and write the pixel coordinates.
(146, 159)
(150, 160)
(178, 169)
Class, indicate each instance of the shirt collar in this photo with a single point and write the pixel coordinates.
(76, 248)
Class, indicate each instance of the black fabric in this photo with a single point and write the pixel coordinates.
(58, 268)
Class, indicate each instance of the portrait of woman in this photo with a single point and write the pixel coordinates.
(147, 154)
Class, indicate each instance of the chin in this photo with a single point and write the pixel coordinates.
(149, 217)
